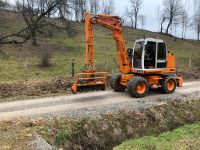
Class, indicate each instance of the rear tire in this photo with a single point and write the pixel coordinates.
(168, 85)
(138, 87)
(110, 81)
(115, 83)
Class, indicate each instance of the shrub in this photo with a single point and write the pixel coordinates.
(44, 54)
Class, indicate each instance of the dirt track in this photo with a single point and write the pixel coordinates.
(90, 103)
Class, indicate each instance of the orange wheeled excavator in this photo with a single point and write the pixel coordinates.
(147, 65)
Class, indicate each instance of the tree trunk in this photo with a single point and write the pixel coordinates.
(183, 32)
(33, 36)
(76, 15)
(48, 14)
(198, 34)
(131, 22)
(169, 24)
(161, 27)
(135, 21)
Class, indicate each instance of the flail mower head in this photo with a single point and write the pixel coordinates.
(89, 81)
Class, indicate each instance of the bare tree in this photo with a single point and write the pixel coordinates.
(107, 7)
(172, 11)
(130, 16)
(142, 19)
(94, 6)
(163, 19)
(34, 19)
(48, 7)
(83, 7)
(80, 8)
(30, 10)
(196, 23)
(184, 22)
(175, 25)
(75, 6)
(42, 5)
(63, 9)
(3, 4)
(135, 8)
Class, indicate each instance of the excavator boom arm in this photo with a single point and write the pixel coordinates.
(110, 22)
(89, 53)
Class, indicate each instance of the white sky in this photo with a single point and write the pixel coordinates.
(149, 8)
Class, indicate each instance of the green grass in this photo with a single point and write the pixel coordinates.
(183, 138)
(65, 48)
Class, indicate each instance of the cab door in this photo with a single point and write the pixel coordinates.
(161, 58)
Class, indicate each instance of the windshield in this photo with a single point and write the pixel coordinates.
(138, 49)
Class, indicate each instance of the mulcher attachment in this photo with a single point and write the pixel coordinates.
(89, 81)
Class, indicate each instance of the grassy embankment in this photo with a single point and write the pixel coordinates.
(183, 138)
(64, 48)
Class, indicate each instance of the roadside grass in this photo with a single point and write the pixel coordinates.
(183, 138)
(65, 48)
(15, 136)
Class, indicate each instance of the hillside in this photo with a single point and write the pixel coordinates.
(20, 61)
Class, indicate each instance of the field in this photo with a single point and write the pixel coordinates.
(19, 62)
(183, 138)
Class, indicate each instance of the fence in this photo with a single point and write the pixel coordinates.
(111, 65)
(188, 62)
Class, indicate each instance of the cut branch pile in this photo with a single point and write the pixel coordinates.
(33, 88)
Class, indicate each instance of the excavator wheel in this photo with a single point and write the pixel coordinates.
(110, 81)
(168, 85)
(138, 87)
(115, 83)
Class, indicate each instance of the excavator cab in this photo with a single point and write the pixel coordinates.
(149, 54)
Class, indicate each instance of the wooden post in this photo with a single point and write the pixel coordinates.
(190, 63)
(25, 71)
(73, 67)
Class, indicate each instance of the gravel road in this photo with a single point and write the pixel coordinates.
(91, 104)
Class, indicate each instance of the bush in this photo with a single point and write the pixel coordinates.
(45, 56)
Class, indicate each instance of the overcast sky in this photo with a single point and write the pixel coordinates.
(149, 8)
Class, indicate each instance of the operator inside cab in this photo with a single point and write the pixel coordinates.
(150, 55)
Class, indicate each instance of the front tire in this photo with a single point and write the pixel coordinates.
(138, 87)
(115, 83)
(168, 85)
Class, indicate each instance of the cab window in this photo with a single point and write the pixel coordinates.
(161, 55)
(138, 50)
